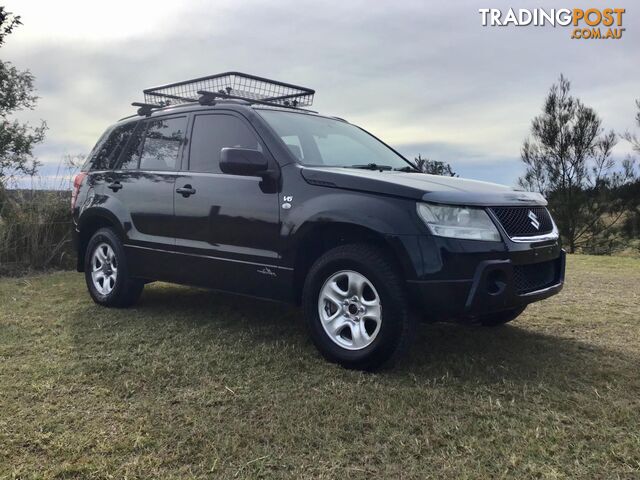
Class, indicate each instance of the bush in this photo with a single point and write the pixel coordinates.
(35, 231)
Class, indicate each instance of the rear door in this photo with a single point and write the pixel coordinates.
(144, 183)
(227, 226)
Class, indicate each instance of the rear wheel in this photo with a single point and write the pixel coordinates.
(356, 307)
(106, 271)
(500, 318)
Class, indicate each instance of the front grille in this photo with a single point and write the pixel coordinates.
(535, 276)
(521, 221)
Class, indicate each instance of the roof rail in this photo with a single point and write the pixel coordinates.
(145, 108)
(229, 85)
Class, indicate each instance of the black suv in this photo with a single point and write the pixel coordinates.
(226, 182)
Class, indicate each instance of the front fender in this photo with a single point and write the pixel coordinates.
(384, 215)
(392, 220)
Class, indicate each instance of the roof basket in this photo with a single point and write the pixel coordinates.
(231, 85)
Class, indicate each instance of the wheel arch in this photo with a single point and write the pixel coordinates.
(89, 224)
(317, 239)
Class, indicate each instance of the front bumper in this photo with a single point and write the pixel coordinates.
(497, 284)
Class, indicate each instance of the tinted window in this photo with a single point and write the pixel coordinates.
(131, 156)
(87, 164)
(162, 143)
(211, 133)
(108, 149)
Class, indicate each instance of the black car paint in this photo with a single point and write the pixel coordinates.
(235, 233)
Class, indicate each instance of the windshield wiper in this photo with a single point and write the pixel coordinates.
(371, 166)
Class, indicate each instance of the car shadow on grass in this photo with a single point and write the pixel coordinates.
(514, 353)
(217, 309)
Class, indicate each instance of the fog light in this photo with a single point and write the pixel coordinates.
(496, 282)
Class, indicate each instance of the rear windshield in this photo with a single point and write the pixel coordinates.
(322, 141)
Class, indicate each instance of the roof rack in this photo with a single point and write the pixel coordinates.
(229, 85)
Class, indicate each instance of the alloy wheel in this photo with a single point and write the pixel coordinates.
(350, 310)
(104, 269)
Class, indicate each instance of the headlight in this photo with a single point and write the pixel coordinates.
(458, 222)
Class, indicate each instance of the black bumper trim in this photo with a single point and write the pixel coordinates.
(492, 289)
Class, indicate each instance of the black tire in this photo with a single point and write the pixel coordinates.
(396, 324)
(500, 318)
(126, 290)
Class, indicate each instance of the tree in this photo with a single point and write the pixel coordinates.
(568, 159)
(631, 137)
(17, 139)
(631, 226)
(434, 167)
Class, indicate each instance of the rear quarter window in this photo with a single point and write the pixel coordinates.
(108, 149)
(96, 148)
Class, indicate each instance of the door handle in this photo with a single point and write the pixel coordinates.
(186, 190)
(115, 186)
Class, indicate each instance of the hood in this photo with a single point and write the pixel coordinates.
(421, 186)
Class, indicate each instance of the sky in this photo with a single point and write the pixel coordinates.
(425, 76)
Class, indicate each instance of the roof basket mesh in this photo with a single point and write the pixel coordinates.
(234, 84)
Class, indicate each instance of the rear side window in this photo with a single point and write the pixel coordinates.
(162, 142)
(212, 133)
(106, 152)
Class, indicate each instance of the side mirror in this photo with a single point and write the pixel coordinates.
(243, 161)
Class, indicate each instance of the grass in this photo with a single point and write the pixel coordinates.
(191, 384)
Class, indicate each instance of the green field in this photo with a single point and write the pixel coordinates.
(191, 384)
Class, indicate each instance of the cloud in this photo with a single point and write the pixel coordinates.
(414, 73)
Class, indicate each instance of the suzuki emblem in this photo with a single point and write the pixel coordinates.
(534, 220)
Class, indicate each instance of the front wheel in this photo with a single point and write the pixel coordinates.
(356, 307)
(106, 272)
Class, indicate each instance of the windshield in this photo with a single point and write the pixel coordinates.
(322, 141)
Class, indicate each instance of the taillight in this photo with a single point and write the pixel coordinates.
(77, 183)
